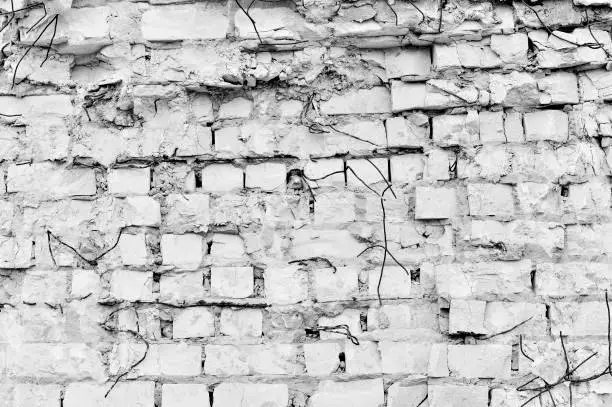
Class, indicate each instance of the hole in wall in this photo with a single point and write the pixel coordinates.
(564, 191)
(198, 179)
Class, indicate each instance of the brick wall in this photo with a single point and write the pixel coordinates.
(332, 204)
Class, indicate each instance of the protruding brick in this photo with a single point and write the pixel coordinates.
(267, 176)
(195, 322)
(185, 395)
(359, 101)
(222, 178)
(183, 251)
(550, 125)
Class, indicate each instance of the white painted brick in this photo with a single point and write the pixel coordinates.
(322, 358)
(467, 317)
(413, 63)
(437, 365)
(141, 211)
(267, 176)
(132, 285)
(362, 359)
(349, 317)
(435, 203)
(396, 283)
(189, 212)
(234, 282)
(323, 167)
(185, 395)
(367, 172)
(222, 178)
(228, 250)
(558, 88)
(185, 287)
(513, 128)
(49, 180)
(356, 393)
(334, 207)
(399, 395)
(335, 286)
(237, 108)
(490, 200)
(583, 319)
(132, 393)
(202, 108)
(133, 249)
(240, 323)
(184, 22)
(491, 127)
(411, 131)
(512, 49)
(180, 359)
(195, 322)
(451, 395)
(84, 282)
(479, 361)
(286, 285)
(406, 168)
(44, 286)
(128, 181)
(404, 358)
(15, 252)
(452, 130)
(546, 125)
(182, 251)
(29, 395)
(359, 101)
(251, 395)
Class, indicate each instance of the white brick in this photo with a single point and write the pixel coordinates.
(490, 200)
(251, 395)
(480, 361)
(185, 395)
(186, 287)
(187, 212)
(435, 203)
(222, 178)
(180, 359)
(84, 282)
(44, 286)
(51, 181)
(513, 128)
(241, 323)
(581, 319)
(184, 22)
(410, 131)
(202, 108)
(413, 63)
(356, 393)
(559, 88)
(141, 211)
(367, 172)
(286, 285)
(546, 125)
(237, 108)
(406, 168)
(29, 395)
(125, 393)
(195, 322)
(396, 283)
(323, 167)
(404, 358)
(467, 317)
(452, 130)
(133, 249)
(183, 251)
(15, 252)
(450, 395)
(267, 176)
(359, 101)
(128, 181)
(400, 395)
(132, 285)
(234, 282)
(362, 359)
(512, 49)
(492, 127)
(227, 250)
(322, 358)
(335, 286)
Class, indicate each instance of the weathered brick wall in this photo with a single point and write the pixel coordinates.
(189, 205)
